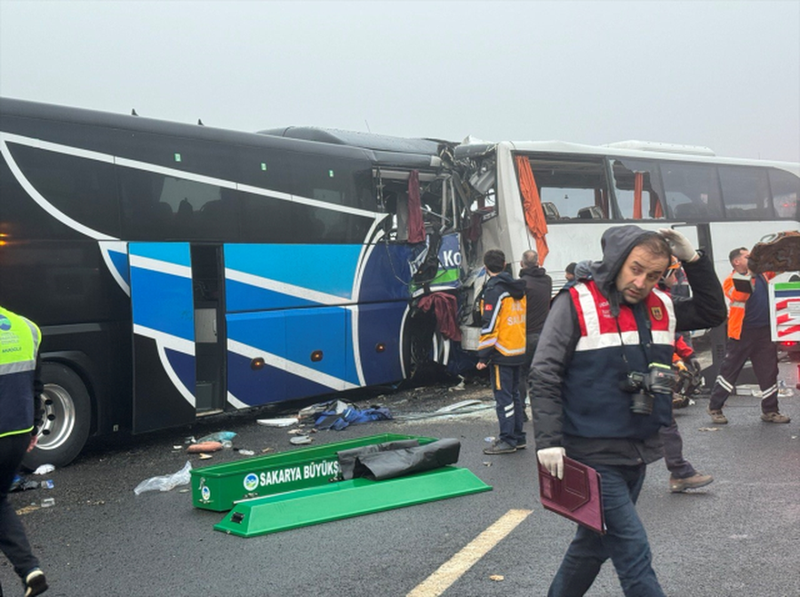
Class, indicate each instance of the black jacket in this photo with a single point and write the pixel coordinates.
(561, 333)
(538, 291)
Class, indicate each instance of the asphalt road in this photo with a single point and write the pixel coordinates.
(740, 536)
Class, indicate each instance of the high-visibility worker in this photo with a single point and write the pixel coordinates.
(20, 418)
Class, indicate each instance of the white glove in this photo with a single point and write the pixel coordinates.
(553, 460)
(680, 245)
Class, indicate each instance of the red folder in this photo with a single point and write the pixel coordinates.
(577, 496)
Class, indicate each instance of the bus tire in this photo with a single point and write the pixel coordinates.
(67, 418)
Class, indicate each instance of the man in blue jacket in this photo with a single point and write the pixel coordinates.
(20, 388)
(597, 396)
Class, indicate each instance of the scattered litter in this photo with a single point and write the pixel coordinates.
(487, 463)
(300, 440)
(204, 456)
(459, 387)
(184, 490)
(489, 439)
(266, 450)
(219, 436)
(177, 447)
(190, 440)
(709, 429)
(296, 432)
(44, 469)
(48, 502)
(204, 447)
(165, 482)
(343, 415)
(497, 577)
(246, 452)
(284, 422)
(21, 483)
(458, 405)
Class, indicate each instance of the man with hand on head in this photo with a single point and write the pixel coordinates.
(599, 396)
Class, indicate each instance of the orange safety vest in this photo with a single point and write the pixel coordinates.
(738, 300)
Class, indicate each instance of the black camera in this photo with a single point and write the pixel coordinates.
(660, 379)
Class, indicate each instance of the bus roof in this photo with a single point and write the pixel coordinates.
(42, 111)
(691, 153)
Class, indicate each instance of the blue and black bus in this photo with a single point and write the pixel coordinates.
(178, 270)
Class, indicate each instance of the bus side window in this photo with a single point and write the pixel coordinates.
(785, 188)
(745, 192)
(571, 188)
(692, 191)
(638, 189)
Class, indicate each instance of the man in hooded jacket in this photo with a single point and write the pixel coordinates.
(502, 346)
(538, 292)
(587, 406)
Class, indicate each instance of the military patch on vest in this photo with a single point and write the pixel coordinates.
(657, 313)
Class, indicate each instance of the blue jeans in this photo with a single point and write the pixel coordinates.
(625, 542)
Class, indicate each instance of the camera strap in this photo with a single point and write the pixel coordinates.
(645, 337)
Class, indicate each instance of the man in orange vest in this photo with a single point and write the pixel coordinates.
(502, 347)
(749, 337)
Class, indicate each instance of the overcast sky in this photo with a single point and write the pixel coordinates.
(720, 74)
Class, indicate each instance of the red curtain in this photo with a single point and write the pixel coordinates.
(416, 227)
(638, 183)
(532, 204)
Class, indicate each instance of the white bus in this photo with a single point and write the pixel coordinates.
(719, 203)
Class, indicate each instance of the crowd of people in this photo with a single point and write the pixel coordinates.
(596, 363)
(592, 362)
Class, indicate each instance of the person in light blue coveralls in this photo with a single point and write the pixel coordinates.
(20, 388)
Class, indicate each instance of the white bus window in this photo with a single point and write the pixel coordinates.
(692, 191)
(637, 186)
(745, 192)
(785, 193)
(570, 188)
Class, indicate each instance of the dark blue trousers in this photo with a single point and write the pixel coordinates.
(508, 403)
(673, 452)
(625, 542)
(13, 541)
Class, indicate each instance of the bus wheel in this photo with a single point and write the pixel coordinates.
(418, 345)
(67, 418)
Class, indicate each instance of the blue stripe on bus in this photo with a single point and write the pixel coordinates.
(329, 269)
(794, 293)
(176, 253)
(266, 385)
(165, 310)
(262, 331)
(184, 367)
(245, 297)
(381, 324)
(298, 333)
(120, 262)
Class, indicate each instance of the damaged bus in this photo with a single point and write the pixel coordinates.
(180, 270)
(560, 197)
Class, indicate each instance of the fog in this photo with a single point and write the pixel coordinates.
(725, 75)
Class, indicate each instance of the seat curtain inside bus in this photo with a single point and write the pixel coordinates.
(372, 462)
(416, 227)
(445, 307)
(338, 417)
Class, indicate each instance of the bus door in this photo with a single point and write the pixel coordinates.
(164, 350)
